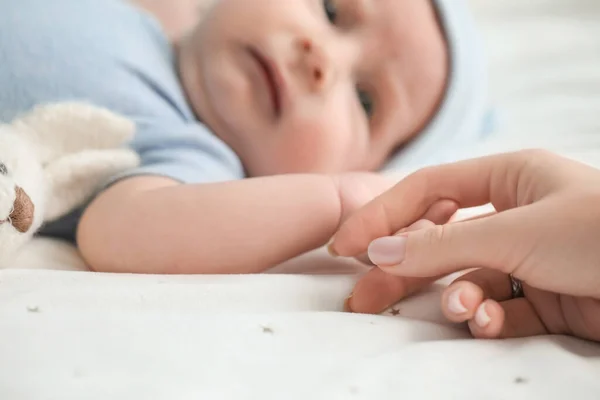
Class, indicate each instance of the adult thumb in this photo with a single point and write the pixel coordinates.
(492, 242)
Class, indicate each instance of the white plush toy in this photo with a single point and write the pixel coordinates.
(51, 161)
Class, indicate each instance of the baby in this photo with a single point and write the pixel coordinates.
(251, 129)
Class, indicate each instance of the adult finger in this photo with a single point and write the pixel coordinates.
(439, 213)
(377, 290)
(460, 301)
(462, 297)
(468, 183)
(494, 284)
(454, 247)
(509, 319)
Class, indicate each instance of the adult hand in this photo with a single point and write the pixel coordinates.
(545, 233)
(356, 189)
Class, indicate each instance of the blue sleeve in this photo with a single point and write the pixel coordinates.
(189, 153)
(108, 53)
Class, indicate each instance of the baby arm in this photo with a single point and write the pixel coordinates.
(155, 225)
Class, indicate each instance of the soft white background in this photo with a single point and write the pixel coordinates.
(78, 335)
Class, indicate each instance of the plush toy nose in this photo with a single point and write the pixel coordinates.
(22, 215)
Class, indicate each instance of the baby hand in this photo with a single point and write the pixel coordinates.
(358, 188)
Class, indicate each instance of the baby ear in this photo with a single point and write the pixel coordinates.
(74, 178)
(66, 128)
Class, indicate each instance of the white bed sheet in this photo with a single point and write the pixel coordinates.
(79, 335)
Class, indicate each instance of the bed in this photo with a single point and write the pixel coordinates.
(67, 333)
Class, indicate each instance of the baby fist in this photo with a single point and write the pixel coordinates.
(358, 188)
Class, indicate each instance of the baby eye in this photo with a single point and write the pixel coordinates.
(366, 101)
(330, 10)
(3, 169)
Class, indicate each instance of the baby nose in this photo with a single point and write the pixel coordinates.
(316, 64)
(21, 216)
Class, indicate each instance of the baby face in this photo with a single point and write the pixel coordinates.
(315, 85)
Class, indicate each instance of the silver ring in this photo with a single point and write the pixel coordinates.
(516, 287)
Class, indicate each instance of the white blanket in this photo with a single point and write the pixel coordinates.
(80, 335)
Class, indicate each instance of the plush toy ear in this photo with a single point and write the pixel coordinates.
(74, 178)
(67, 128)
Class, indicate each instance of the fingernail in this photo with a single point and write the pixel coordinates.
(455, 305)
(387, 251)
(347, 303)
(482, 319)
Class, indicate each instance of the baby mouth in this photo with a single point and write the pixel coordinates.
(272, 77)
